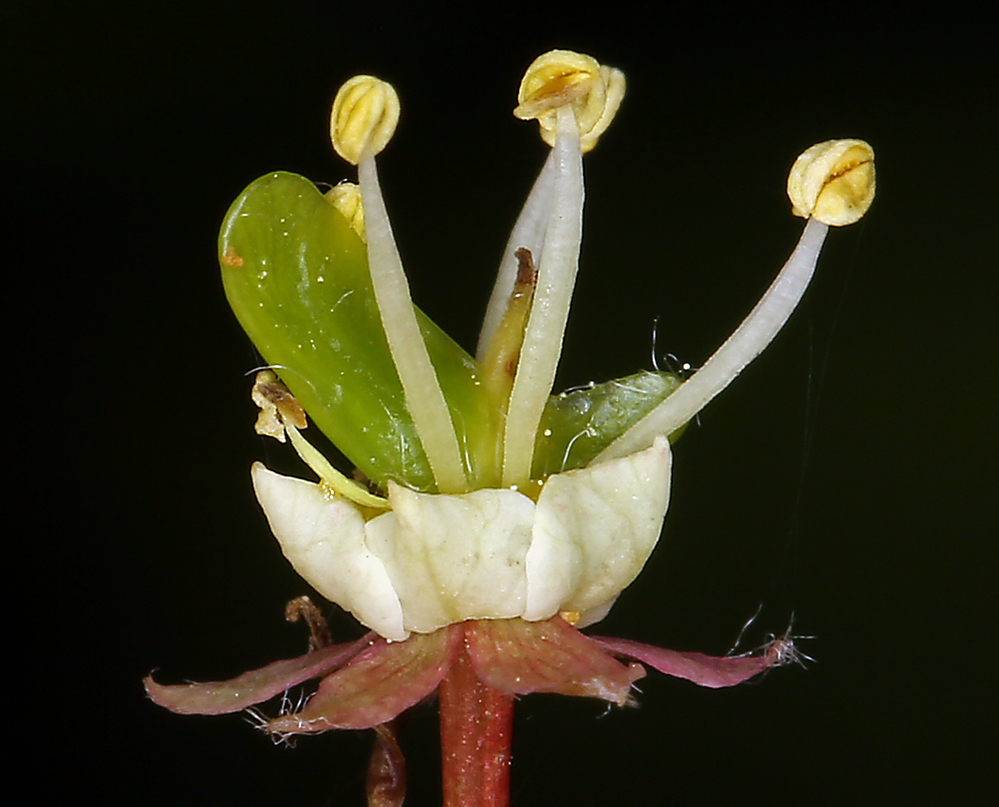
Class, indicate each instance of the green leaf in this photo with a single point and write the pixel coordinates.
(578, 425)
(296, 276)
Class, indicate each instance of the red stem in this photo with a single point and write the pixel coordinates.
(476, 731)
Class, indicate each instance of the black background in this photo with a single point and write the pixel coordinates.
(847, 477)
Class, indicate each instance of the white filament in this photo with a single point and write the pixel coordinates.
(745, 344)
(545, 328)
(528, 232)
(424, 396)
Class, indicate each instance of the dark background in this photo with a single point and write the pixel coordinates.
(847, 477)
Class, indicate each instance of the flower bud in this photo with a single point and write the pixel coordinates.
(562, 77)
(364, 117)
(833, 182)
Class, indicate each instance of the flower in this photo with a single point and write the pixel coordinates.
(496, 519)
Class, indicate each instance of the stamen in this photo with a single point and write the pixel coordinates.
(424, 396)
(833, 182)
(365, 113)
(750, 338)
(281, 414)
(573, 98)
(556, 277)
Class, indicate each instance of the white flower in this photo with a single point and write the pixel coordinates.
(499, 540)
(508, 516)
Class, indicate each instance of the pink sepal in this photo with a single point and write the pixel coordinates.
(518, 657)
(377, 685)
(255, 686)
(703, 670)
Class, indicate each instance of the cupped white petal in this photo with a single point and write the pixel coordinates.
(324, 539)
(456, 557)
(437, 559)
(593, 532)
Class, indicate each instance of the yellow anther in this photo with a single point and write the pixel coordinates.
(346, 198)
(364, 117)
(562, 77)
(833, 182)
(556, 78)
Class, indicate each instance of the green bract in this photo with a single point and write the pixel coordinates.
(296, 276)
(579, 424)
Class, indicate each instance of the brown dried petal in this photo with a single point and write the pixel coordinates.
(386, 783)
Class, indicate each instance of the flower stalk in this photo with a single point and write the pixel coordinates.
(476, 733)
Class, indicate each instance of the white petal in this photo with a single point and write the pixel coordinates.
(453, 558)
(594, 530)
(324, 539)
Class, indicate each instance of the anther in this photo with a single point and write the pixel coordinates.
(364, 117)
(833, 182)
(562, 77)
(346, 198)
(277, 406)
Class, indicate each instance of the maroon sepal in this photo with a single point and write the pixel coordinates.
(703, 670)
(371, 681)
(376, 685)
(517, 657)
(255, 686)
